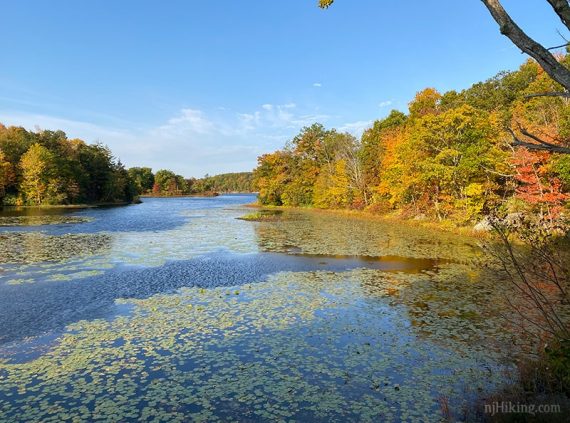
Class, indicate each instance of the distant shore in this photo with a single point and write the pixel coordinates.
(201, 194)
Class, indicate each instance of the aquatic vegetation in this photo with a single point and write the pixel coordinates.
(41, 220)
(263, 215)
(314, 345)
(310, 232)
(359, 320)
(36, 247)
(44, 257)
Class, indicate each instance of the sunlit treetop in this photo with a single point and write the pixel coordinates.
(323, 4)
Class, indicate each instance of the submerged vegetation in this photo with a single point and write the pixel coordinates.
(387, 326)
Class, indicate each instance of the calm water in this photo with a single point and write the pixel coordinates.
(175, 310)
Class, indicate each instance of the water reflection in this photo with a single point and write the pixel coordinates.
(314, 232)
(301, 346)
(176, 310)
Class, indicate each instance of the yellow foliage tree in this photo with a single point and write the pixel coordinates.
(36, 166)
(332, 189)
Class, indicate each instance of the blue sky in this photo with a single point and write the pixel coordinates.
(207, 86)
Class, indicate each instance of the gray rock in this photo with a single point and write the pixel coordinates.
(483, 226)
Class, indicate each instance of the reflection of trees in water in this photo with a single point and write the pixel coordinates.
(33, 247)
(324, 233)
(303, 342)
(454, 305)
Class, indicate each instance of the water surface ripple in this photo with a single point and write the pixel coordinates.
(175, 309)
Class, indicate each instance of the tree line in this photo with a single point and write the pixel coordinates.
(451, 156)
(47, 168)
(167, 183)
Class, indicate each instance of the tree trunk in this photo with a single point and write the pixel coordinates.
(562, 9)
(544, 58)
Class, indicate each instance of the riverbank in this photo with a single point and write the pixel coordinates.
(69, 206)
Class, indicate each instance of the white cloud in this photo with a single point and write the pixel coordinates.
(385, 103)
(356, 128)
(191, 142)
(75, 129)
(275, 117)
(189, 120)
(317, 84)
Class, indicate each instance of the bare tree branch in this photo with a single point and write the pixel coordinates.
(541, 146)
(557, 47)
(544, 58)
(562, 9)
(551, 94)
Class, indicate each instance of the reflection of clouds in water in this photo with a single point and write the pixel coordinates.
(306, 346)
(62, 257)
(204, 232)
(360, 344)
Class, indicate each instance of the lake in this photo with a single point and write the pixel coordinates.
(176, 310)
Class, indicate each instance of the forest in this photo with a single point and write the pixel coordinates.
(166, 183)
(47, 168)
(450, 158)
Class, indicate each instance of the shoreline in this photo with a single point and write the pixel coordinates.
(445, 226)
(69, 206)
(204, 195)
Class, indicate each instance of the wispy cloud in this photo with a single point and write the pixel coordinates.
(356, 128)
(317, 84)
(385, 103)
(278, 117)
(188, 120)
(192, 142)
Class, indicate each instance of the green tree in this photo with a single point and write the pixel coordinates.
(142, 178)
(167, 182)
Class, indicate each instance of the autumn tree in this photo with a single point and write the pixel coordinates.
(373, 149)
(426, 102)
(550, 62)
(5, 174)
(538, 185)
(308, 152)
(332, 187)
(37, 173)
(47, 167)
(271, 176)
